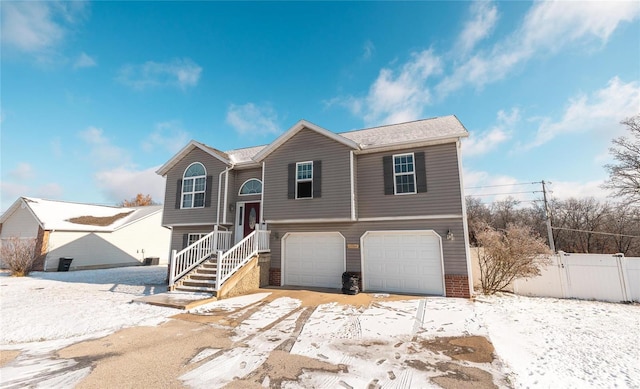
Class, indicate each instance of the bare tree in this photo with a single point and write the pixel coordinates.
(513, 253)
(18, 254)
(139, 201)
(478, 216)
(624, 174)
(505, 212)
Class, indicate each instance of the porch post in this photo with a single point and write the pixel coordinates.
(172, 267)
(218, 269)
(214, 247)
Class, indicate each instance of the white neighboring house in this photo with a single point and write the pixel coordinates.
(95, 236)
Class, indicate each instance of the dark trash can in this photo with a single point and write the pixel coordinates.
(152, 261)
(350, 283)
(64, 263)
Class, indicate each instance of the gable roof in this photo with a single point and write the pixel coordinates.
(418, 132)
(57, 215)
(302, 124)
(192, 145)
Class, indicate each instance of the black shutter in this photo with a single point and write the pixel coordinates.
(207, 191)
(185, 240)
(178, 194)
(421, 172)
(291, 181)
(317, 179)
(387, 167)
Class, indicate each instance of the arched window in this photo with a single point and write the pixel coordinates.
(250, 187)
(194, 183)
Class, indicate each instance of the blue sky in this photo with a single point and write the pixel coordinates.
(96, 96)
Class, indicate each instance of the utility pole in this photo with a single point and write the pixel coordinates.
(552, 245)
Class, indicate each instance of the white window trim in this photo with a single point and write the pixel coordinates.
(250, 194)
(193, 192)
(195, 235)
(304, 180)
(413, 173)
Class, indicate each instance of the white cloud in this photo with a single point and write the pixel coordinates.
(181, 73)
(491, 188)
(484, 17)
(84, 61)
(101, 150)
(51, 190)
(124, 183)
(400, 96)
(9, 193)
(563, 190)
(601, 111)
(251, 119)
(38, 27)
(22, 172)
(548, 27)
(30, 26)
(368, 50)
(167, 135)
(502, 131)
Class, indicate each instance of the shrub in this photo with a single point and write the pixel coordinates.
(18, 254)
(515, 252)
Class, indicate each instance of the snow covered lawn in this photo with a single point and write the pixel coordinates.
(66, 305)
(540, 342)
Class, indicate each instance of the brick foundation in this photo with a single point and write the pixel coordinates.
(457, 285)
(274, 277)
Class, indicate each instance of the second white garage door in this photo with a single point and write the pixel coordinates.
(402, 261)
(313, 259)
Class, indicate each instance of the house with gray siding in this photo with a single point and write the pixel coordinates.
(385, 203)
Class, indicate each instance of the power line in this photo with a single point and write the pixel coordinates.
(497, 186)
(506, 193)
(595, 232)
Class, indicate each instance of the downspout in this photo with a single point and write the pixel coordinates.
(353, 193)
(226, 193)
(220, 195)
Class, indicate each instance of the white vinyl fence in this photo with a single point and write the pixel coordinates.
(585, 276)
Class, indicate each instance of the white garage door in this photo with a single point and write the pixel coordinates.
(314, 259)
(402, 261)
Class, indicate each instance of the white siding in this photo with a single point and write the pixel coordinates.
(22, 224)
(120, 248)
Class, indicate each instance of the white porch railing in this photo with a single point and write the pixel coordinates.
(232, 260)
(190, 257)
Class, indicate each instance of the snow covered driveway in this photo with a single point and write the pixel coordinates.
(280, 339)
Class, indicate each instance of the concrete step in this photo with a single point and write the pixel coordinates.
(206, 270)
(187, 288)
(204, 283)
(202, 276)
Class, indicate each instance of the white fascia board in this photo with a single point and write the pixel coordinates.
(310, 221)
(189, 225)
(164, 169)
(418, 217)
(297, 128)
(465, 223)
(21, 202)
(409, 144)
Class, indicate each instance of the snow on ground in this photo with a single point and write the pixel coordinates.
(65, 305)
(541, 342)
(555, 343)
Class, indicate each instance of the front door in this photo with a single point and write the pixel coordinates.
(251, 217)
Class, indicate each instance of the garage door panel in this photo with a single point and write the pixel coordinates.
(314, 259)
(402, 261)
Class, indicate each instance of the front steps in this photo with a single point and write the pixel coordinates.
(203, 279)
